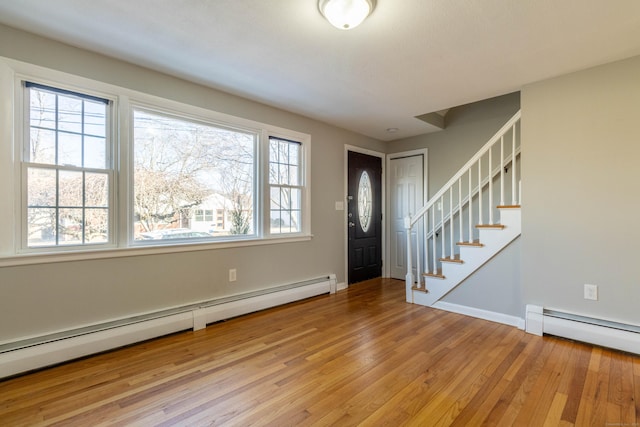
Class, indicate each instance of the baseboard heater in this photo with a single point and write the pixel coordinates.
(37, 352)
(617, 335)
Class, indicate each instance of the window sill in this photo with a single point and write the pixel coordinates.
(91, 254)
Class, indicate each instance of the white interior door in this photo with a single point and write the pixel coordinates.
(406, 197)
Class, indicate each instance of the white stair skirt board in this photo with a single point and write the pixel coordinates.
(37, 352)
(494, 240)
(605, 333)
(478, 313)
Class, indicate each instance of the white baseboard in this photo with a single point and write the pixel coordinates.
(51, 353)
(342, 286)
(231, 309)
(481, 314)
(35, 355)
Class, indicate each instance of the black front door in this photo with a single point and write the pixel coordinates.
(364, 216)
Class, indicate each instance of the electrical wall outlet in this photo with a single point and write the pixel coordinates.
(591, 292)
(232, 275)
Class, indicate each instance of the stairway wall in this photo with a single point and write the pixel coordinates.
(500, 276)
(581, 148)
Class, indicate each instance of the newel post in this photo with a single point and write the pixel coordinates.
(409, 276)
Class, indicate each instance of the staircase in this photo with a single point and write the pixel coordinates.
(468, 221)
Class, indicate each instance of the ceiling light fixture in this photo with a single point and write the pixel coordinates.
(346, 14)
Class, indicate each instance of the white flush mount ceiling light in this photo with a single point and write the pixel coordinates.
(346, 14)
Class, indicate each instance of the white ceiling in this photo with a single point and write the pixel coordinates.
(409, 58)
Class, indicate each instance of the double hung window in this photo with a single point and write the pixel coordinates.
(67, 168)
(285, 182)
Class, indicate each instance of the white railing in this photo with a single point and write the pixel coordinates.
(466, 200)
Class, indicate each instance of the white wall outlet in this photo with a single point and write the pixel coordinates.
(232, 275)
(591, 292)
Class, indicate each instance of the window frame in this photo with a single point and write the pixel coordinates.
(25, 163)
(288, 185)
(13, 125)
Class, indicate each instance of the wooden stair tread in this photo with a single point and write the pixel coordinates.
(456, 259)
(491, 226)
(438, 274)
(508, 206)
(474, 244)
(419, 289)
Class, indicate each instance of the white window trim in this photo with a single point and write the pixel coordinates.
(188, 113)
(302, 185)
(124, 100)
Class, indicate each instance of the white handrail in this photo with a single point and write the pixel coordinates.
(466, 167)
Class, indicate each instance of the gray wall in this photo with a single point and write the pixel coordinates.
(496, 287)
(36, 299)
(580, 179)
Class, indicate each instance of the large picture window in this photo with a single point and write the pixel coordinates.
(67, 168)
(184, 171)
(98, 168)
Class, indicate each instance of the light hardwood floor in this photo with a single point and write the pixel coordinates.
(360, 357)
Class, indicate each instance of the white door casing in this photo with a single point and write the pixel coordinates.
(407, 192)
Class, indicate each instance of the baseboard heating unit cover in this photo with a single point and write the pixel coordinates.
(36, 352)
(620, 336)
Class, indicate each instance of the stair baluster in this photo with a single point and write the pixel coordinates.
(502, 166)
(491, 183)
(433, 239)
(514, 201)
(480, 213)
(470, 209)
(451, 222)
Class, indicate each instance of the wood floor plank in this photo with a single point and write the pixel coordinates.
(541, 397)
(362, 356)
(593, 403)
(574, 380)
(528, 366)
(555, 410)
(636, 385)
(621, 393)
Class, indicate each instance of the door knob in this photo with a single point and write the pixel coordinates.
(352, 224)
